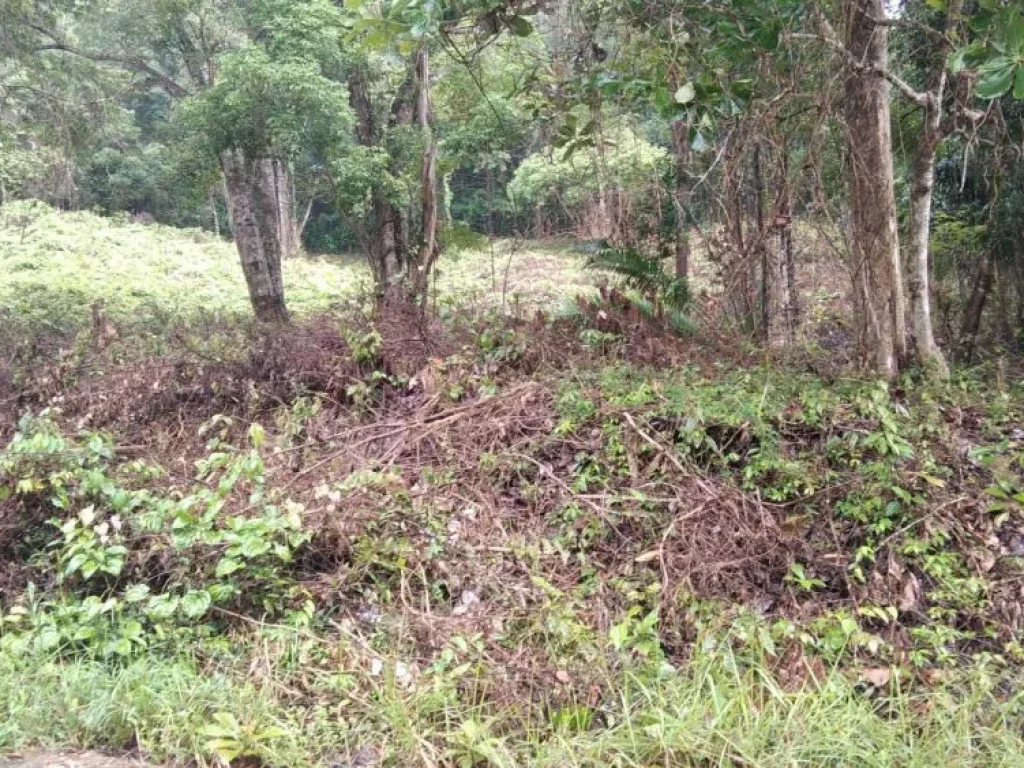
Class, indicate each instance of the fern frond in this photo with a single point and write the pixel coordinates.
(642, 273)
(636, 270)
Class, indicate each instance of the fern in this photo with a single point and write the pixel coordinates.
(644, 274)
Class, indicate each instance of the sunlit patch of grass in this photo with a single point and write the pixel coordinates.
(720, 710)
(58, 264)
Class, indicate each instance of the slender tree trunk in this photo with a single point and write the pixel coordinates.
(681, 195)
(934, 128)
(762, 246)
(922, 184)
(874, 242)
(975, 307)
(305, 218)
(785, 223)
(428, 246)
(252, 189)
(382, 242)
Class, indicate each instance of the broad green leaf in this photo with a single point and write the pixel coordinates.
(996, 77)
(136, 593)
(1018, 82)
(195, 603)
(253, 546)
(1014, 33)
(227, 566)
(75, 563)
(161, 606)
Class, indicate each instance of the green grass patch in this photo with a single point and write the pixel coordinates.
(720, 710)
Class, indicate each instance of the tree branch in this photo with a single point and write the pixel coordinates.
(130, 63)
(828, 35)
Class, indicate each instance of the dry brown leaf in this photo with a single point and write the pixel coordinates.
(876, 676)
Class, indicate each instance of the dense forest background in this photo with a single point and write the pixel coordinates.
(881, 142)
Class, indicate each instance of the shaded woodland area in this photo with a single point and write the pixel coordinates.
(512, 382)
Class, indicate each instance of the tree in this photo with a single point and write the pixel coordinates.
(207, 57)
(874, 243)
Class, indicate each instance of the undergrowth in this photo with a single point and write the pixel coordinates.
(578, 540)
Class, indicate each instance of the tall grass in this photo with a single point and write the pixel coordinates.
(718, 711)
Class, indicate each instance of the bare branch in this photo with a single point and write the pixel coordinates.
(828, 35)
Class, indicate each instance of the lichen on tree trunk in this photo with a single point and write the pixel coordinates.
(262, 231)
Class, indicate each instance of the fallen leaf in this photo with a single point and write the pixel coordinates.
(562, 676)
(876, 676)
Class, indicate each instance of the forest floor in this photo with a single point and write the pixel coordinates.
(566, 538)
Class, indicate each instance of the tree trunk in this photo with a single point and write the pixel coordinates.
(382, 240)
(975, 306)
(926, 350)
(284, 194)
(791, 299)
(762, 246)
(874, 243)
(681, 195)
(934, 128)
(252, 188)
(428, 246)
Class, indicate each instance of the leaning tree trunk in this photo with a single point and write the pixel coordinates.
(262, 231)
(874, 242)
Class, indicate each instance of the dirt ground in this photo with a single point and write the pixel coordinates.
(68, 760)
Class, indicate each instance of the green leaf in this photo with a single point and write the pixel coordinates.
(1018, 82)
(75, 563)
(1014, 33)
(195, 603)
(226, 749)
(742, 89)
(254, 546)
(227, 566)
(521, 27)
(136, 593)
(161, 606)
(996, 77)
(686, 93)
(257, 435)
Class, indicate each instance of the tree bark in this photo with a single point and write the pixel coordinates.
(934, 128)
(681, 195)
(791, 299)
(874, 242)
(382, 242)
(428, 245)
(975, 307)
(252, 188)
(762, 246)
(922, 184)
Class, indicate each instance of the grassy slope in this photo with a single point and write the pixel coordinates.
(55, 265)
